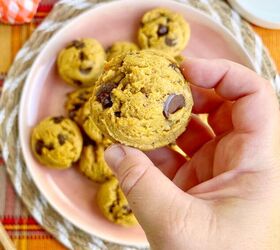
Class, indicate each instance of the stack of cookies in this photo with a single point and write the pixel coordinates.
(133, 94)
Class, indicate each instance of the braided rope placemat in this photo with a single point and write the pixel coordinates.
(68, 234)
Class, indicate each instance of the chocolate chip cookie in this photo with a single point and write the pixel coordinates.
(92, 163)
(114, 205)
(89, 126)
(56, 142)
(81, 62)
(75, 102)
(142, 100)
(165, 30)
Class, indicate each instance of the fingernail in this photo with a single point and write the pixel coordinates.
(113, 156)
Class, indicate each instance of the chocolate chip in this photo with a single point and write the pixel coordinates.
(77, 106)
(40, 144)
(127, 209)
(117, 194)
(77, 44)
(50, 146)
(82, 56)
(118, 113)
(172, 104)
(173, 66)
(111, 209)
(170, 42)
(78, 82)
(58, 119)
(162, 30)
(61, 139)
(143, 91)
(176, 68)
(105, 99)
(86, 70)
(104, 95)
(39, 147)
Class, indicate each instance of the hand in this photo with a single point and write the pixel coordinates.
(228, 195)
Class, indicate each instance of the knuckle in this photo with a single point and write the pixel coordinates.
(130, 174)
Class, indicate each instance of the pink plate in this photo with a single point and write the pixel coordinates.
(70, 193)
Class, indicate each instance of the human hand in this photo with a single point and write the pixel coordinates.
(228, 195)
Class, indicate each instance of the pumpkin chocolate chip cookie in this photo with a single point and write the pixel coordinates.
(114, 205)
(88, 124)
(75, 102)
(56, 142)
(81, 62)
(92, 163)
(142, 100)
(164, 30)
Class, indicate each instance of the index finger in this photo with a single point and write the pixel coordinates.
(230, 80)
(255, 101)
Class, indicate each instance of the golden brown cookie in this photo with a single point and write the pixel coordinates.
(113, 204)
(92, 163)
(165, 30)
(75, 102)
(142, 100)
(56, 142)
(81, 62)
(87, 123)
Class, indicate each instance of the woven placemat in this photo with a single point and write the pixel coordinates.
(69, 235)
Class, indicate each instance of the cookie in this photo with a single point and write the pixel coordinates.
(92, 163)
(75, 102)
(119, 48)
(142, 100)
(114, 205)
(89, 126)
(164, 30)
(56, 142)
(81, 62)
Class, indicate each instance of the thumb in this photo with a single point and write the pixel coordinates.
(150, 193)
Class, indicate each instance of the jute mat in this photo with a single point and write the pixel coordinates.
(69, 235)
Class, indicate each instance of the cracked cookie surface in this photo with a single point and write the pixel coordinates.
(164, 30)
(142, 100)
(113, 204)
(56, 142)
(81, 62)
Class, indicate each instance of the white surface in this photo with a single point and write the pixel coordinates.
(264, 13)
